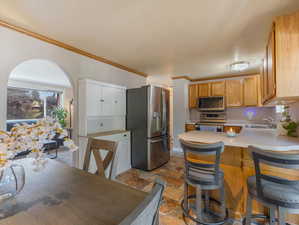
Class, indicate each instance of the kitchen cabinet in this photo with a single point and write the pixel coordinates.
(271, 66)
(281, 72)
(234, 93)
(122, 160)
(102, 99)
(204, 90)
(264, 81)
(217, 88)
(193, 95)
(189, 127)
(238, 92)
(93, 102)
(236, 129)
(251, 91)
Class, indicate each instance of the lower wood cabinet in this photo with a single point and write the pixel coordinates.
(237, 166)
(236, 129)
(189, 127)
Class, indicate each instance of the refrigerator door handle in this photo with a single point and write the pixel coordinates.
(164, 111)
(156, 140)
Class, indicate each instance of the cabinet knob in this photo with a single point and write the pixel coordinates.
(115, 101)
(102, 100)
(101, 124)
(125, 135)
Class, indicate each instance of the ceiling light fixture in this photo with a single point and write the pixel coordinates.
(239, 66)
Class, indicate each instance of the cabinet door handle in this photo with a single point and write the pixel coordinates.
(125, 135)
(102, 100)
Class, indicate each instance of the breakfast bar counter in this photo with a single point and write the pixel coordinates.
(264, 138)
(237, 164)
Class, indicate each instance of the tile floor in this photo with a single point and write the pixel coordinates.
(172, 173)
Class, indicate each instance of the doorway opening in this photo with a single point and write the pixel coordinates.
(36, 89)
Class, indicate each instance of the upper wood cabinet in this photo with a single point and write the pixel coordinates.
(238, 92)
(234, 93)
(251, 91)
(204, 90)
(193, 95)
(271, 67)
(281, 73)
(217, 88)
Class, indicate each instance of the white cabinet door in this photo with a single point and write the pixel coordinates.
(114, 101)
(107, 101)
(124, 156)
(93, 99)
(120, 102)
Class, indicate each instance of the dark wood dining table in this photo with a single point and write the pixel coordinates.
(62, 195)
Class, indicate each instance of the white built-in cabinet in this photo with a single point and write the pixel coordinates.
(103, 99)
(102, 107)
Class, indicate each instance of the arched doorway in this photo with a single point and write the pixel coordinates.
(38, 88)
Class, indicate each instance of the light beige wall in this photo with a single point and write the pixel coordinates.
(16, 48)
(180, 109)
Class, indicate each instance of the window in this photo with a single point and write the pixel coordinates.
(30, 104)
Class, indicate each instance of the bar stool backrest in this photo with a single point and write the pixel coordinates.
(204, 168)
(275, 159)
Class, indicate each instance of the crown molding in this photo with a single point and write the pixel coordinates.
(69, 47)
(214, 77)
(181, 77)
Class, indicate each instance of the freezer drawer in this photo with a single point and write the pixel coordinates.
(158, 152)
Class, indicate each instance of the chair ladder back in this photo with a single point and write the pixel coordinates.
(203, 149)
(95, 146)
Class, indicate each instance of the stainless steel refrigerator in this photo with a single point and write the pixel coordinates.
(148, 121)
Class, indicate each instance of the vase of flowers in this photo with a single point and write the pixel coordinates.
(287, 126)
(26, 138)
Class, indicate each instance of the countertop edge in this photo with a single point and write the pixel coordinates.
(104, 133)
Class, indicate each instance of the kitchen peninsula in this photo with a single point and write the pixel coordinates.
(237, 165)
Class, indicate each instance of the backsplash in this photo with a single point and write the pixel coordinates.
(294, 111)
(259, 113)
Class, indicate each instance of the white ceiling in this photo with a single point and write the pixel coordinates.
(198, 38)
(40, 71)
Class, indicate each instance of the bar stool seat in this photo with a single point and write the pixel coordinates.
(282, 193)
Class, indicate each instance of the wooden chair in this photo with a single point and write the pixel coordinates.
(96, 146)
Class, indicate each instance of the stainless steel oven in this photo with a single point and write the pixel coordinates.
(209, 127)
(211, 103)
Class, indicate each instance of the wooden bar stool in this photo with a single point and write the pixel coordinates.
(276, 193)
(103, 163)
(204, 177)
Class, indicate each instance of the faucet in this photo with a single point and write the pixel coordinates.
(271, 122)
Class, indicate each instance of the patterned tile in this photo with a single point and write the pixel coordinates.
(173, 173)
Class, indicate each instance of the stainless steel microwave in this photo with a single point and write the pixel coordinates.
(211, 103)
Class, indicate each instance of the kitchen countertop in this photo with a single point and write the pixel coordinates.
(264, 138)
(105, 133)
